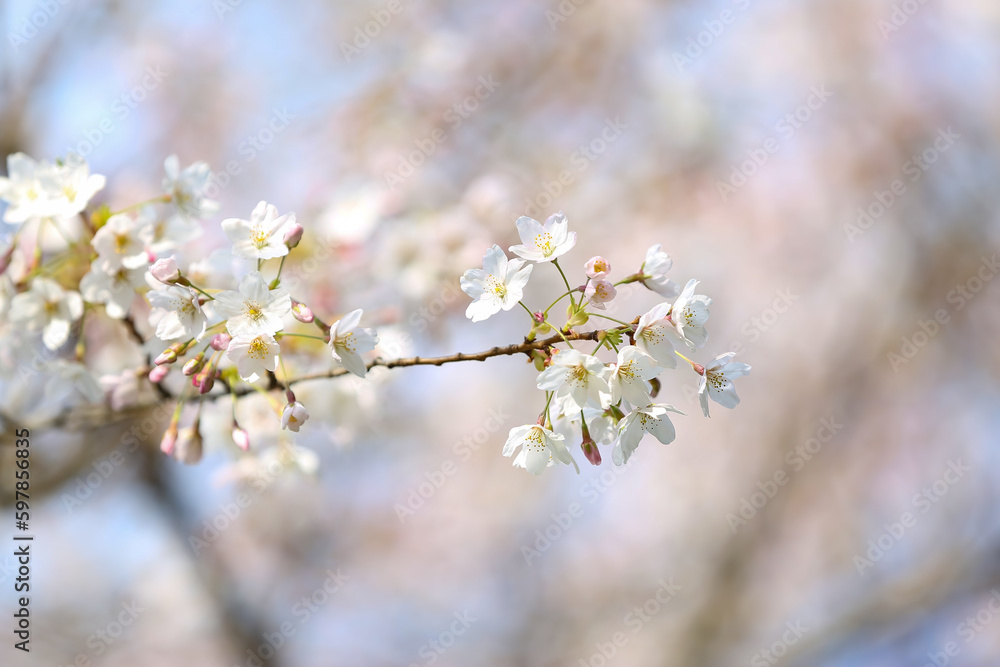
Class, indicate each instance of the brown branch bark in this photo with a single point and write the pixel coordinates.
(500, 351)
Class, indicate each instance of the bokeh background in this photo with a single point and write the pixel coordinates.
(854, 421)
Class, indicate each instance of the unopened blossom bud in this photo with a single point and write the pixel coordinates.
(205, 380)
(589, 447)
(165, 270)
(158, 373)
(591, 451)
(189, 445)
(194, 365)
(220, 342)
(293, 235)
(597, 267)
(241, 438)
(539, 317)
(302, 312)
(168, 356)
(169, 439)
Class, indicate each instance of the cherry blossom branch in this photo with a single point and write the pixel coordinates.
(500, 351)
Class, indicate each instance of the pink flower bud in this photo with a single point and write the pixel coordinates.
(591, 451)
(220, 342)
(301, 312)
(205, 380)
(293, 235)
(165, 270)
(169, 439)
(158, 373)
(597, 267)
(194, 365)
(241, 438)
(168, 356)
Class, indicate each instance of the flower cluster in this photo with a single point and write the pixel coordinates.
(208, 333)
(212, 338)
(586, 399)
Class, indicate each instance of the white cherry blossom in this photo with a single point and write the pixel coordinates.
(48, 307)
(543, 243)
(73, 186)
(176, 313)
(187, 187)
(22, 190)
(294, 416)
(599, 292)
(717, 381)
(539, 448)
(652, 336)
(578, 380)
(115, 288)
(122, 242)
(652, 419)
(631, 375)
(254, 308)
(348, 342)
(167, 231)
(262, 236)
(499, 285)
(254, 355)
(656, 265)
(688, 316)
(42, 190)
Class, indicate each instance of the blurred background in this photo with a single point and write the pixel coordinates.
(828, 170)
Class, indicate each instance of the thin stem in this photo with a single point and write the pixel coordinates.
(284, 372)
(298, 335)
(693, 364)
(565, 340)
(161, 199)
(548, 400)
(635, 277)
(624, 324)
(555, 263)
(277, 278)
(195, 287)
(530, 314)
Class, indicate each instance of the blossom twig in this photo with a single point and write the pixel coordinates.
(500, 351)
